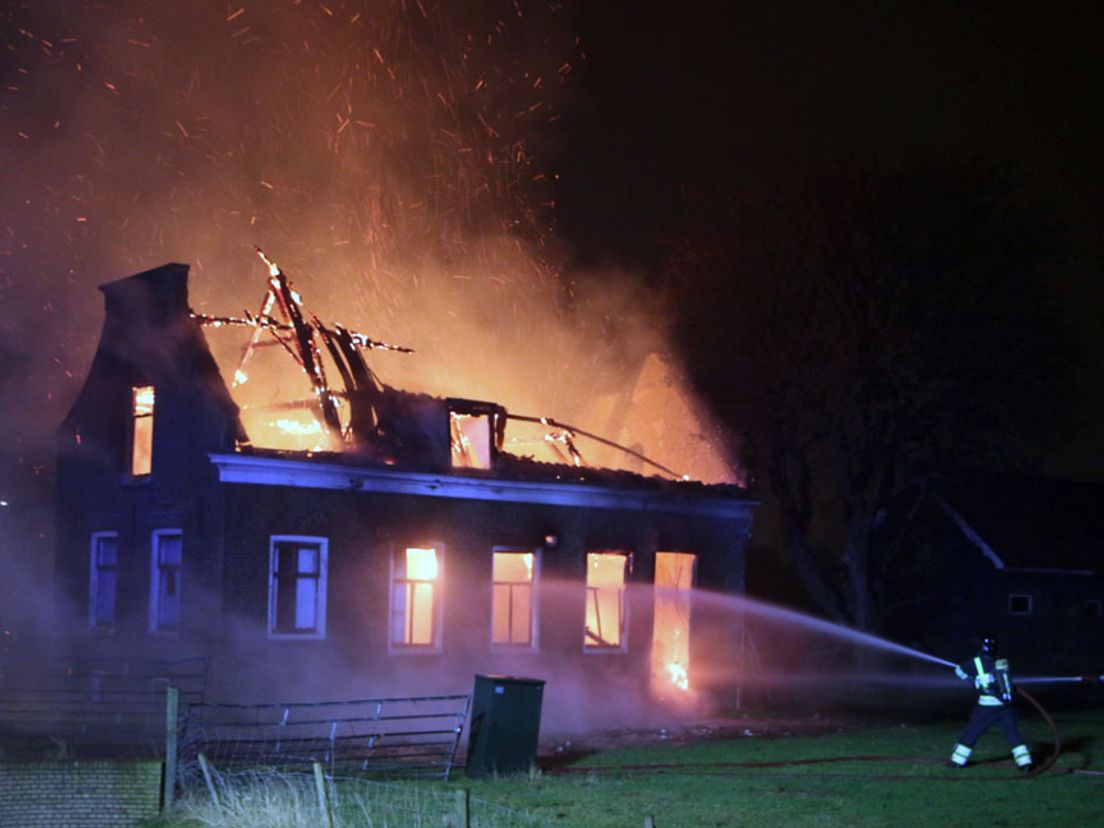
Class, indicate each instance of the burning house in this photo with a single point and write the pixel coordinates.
(404, 549)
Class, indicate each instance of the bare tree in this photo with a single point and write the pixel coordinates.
(863, 334)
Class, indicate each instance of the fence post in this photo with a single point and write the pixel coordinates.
(172, 709)
(320, 786)
(207, 777)
(460, 810)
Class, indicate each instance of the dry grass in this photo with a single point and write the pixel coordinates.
(277, 799)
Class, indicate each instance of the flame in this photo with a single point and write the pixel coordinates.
(678, 676)
(298, 428)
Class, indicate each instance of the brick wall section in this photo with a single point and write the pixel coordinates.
(78, 794)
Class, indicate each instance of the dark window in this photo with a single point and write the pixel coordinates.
(1020, 603)
(165, 567)
(102, 579)
(1094, 608)
(297, 587)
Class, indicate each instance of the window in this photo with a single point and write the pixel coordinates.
(470, 435)
(476, 431)
(415, 611)
(141, 436)
(674, 578)
(1020, 604)
(103, 579)
(297, 587)
(605, 602)
(1094, 608)
(166, 548)
(512, 604)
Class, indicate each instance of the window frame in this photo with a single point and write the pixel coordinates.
(623, 645)
(319, 631)
(534, 600)
(94, 581)
(155, 582)
(436, 645)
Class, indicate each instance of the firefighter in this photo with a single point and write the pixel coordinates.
(994, 706)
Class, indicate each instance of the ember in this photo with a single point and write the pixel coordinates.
(398, 161)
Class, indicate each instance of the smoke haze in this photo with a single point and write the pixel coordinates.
(396, 159)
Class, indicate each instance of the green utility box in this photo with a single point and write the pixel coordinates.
(505, 724)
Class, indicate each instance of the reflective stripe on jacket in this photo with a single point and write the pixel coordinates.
(985, 680)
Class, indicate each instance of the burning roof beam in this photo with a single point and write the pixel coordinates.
(567, 434)
(342, 345)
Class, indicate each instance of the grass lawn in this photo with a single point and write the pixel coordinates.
(737, 783)
(892, 776)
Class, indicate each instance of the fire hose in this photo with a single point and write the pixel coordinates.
(1039, 768)
(1045, 765)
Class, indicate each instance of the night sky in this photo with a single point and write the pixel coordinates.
(743, 98)
(132, 134)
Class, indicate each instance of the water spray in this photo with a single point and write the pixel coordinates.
(778, 613)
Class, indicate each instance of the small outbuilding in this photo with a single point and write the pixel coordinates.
(1008, 555)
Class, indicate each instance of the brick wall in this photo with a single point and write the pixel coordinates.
(78, 794)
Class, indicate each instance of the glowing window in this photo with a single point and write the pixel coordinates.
(470, 436)
(605, 604)
(297, 587)
(512, 605)
(102, 579)
(674, 577)
(415, 614)
(165, 566)
(141, 438)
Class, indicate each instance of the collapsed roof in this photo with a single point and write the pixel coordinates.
(366, 420)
